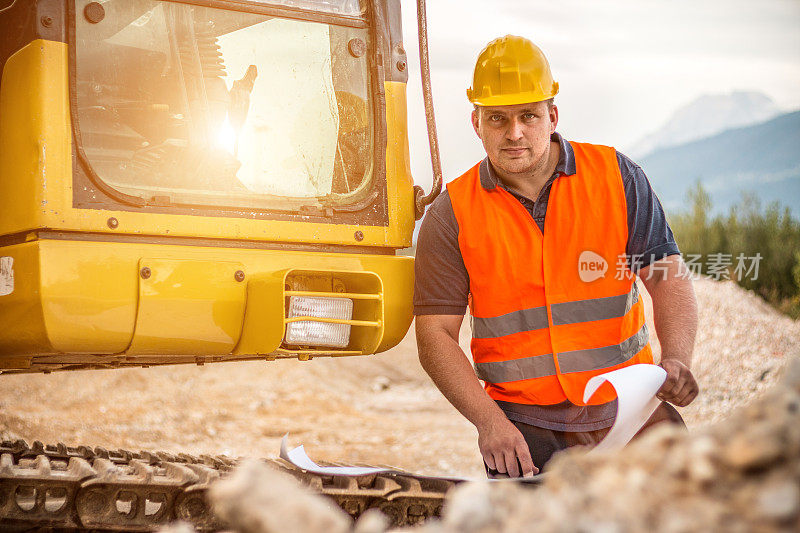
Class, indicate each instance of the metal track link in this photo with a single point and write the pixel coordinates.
(82, 488)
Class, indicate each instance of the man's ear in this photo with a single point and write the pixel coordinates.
(553, 118)
(476, 121)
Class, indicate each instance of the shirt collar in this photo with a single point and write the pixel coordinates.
(564, 167)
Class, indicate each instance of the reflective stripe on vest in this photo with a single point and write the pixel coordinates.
(540, 366)
(594, 308)
(605, 356)
(563, 313)
(510, 323)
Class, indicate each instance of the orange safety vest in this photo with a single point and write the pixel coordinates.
(546, 316)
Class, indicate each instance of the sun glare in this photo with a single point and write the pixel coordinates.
(226, 137)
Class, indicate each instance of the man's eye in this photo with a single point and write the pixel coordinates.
(528, 116)
(496, 118)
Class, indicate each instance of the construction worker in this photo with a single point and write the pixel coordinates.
(543, 239)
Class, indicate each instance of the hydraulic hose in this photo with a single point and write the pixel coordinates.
(422, 200)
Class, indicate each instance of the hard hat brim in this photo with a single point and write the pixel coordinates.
(513, 99)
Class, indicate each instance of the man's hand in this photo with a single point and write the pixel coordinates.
(500, 442)
(680, 387)
(501, 445)
(675, 317)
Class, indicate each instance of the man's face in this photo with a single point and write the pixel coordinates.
(516, 137)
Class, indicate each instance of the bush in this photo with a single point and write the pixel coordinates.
(756, 246)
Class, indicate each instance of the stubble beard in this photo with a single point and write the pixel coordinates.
(516, 167)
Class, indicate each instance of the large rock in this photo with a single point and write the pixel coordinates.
(258, 498)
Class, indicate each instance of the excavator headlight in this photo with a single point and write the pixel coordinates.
(332, 330)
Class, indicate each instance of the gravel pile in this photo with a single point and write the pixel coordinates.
(742, 344)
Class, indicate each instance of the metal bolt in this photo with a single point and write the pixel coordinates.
(239, 275)
(113, 223)
(401, 65)
(338, 285)
(359, 235)
(94, 12)
(47, 21)
(145, 272)
(357, 47)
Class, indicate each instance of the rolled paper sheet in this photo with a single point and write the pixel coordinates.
(636, 387)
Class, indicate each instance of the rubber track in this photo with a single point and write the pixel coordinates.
(82, 489)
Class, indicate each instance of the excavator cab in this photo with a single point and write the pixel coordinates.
(200, 181)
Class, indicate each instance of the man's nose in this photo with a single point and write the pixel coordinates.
(514, 132)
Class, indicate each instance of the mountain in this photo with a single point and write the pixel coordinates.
(763, 158)
(708, 115)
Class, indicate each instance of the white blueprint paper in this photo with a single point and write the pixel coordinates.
(636, 387)
(300, 459)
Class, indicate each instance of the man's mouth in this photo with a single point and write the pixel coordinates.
(514, 150)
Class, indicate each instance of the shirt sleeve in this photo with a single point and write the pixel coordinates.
(649, 235)
(441, 281)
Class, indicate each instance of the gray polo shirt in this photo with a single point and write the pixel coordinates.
(442, 281)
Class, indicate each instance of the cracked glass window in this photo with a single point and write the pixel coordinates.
(183, 104)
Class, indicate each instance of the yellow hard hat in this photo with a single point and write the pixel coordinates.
(511, 70)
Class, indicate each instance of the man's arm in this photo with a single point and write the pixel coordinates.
(675, 316)
(441, 290)
(500, 442)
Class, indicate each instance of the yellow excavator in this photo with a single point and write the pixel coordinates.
(197, 181)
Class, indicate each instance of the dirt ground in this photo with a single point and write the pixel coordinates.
(379, 409)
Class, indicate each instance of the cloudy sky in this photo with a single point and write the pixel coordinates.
(624, 66)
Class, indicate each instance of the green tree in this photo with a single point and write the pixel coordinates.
(766, 237)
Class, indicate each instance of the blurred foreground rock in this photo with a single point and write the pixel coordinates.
(260, 499)
(177, 527)
(741, 475)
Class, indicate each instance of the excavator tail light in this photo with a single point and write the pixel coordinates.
(333, 328)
